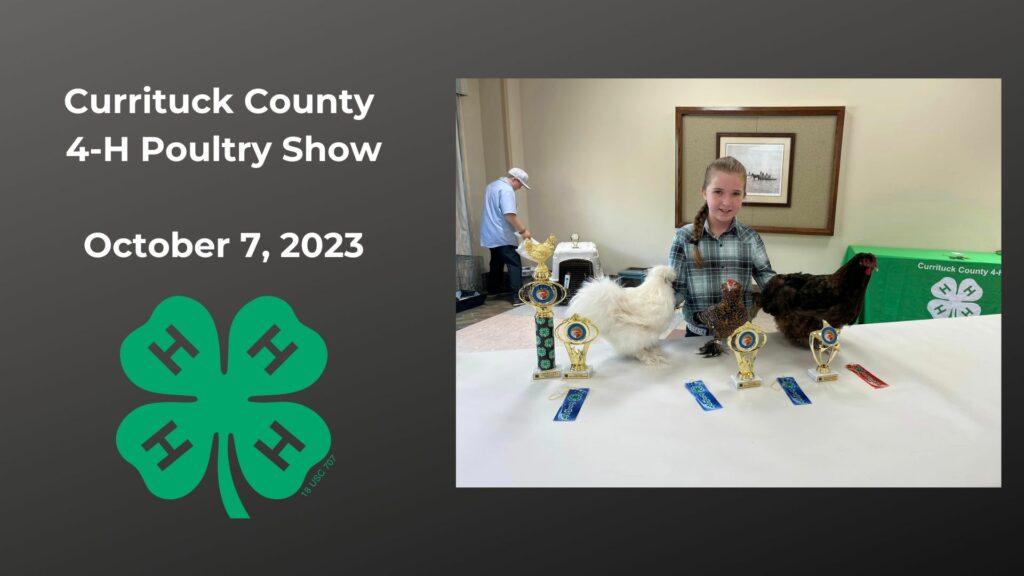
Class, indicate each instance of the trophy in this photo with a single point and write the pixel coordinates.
(543, 294)
(576, 332)
(745, 341)
(824, 345)
(575, 238)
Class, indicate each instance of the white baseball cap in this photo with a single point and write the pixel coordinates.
(521, 175)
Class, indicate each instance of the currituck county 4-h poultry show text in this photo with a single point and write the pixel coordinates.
(219, 148)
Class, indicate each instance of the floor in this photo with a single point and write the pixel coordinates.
(493, 306)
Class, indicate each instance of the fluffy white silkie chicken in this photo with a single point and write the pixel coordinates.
(631, 319)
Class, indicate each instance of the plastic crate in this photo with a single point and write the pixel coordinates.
(632, 276)
(467, 300)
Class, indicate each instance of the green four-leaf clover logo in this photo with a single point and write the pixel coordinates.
(270, 353)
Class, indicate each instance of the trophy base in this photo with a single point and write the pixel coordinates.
(742, 384)
(822, 377)
(580, 373)
(539, 374)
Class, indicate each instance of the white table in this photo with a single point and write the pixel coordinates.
(937, 424)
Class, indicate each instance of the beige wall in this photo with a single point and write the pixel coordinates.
(920, 165)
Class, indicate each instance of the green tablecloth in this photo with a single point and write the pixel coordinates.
(922, 284)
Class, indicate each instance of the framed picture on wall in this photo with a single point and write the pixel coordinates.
(769, 162)
(793, 186)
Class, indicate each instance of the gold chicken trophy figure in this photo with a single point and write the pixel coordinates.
(824, 345)
(745, 341)
(577, 332)
(543, 294)
(539, 252)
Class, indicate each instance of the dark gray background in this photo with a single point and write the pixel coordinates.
(70, 504)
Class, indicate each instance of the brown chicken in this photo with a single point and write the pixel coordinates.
(723, 318)
(799, 302)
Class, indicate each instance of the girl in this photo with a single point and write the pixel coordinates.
(716, 246)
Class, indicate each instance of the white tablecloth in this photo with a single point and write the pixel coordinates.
(937, 424)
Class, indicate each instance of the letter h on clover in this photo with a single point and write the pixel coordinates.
(950, 300)
(177, 353)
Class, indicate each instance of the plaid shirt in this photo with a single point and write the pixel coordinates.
(738, 254)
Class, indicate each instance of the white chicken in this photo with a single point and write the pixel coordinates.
(631, 319)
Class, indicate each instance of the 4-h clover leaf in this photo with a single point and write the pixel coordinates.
(952, 301)
(270, 353)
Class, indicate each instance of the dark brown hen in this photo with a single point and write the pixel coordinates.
(799, 302)
(724, 317)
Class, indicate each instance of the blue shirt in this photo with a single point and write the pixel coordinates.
(738, 253)
(495, 230)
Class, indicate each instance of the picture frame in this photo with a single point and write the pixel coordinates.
(808, 205)
(768, 158)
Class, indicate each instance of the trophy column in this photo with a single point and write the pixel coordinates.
(543, 294)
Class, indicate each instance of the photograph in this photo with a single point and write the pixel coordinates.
(742, 297)
(769, 161)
